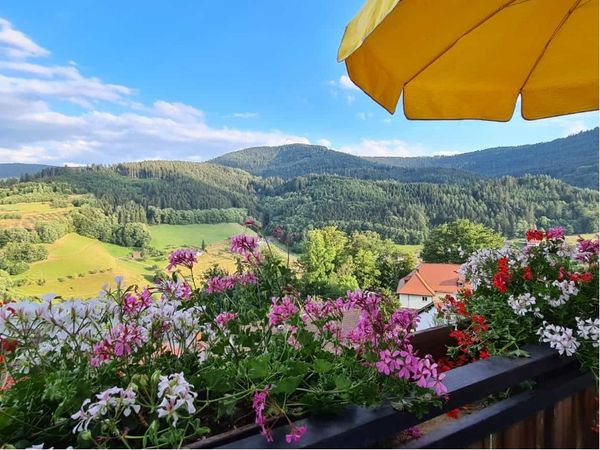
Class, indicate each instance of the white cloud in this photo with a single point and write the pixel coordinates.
(15, 44)
(245, 115)
(324, 142)
(445, 153)
(346, 83)
(177, 111)
(389, 147)
(364, 115)
(568, 125)
(32, 129)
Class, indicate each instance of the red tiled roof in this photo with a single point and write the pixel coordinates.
(428, 279)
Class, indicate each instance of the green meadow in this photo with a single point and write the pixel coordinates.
(78, 266)
(170, 236)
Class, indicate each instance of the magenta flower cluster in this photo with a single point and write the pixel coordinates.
(224, 318)
(133, 304)
(391, 341)
(587, 250)
(186, 257)
(259, 403)
(556, 233)
(172, 290)
(217, 285)
(281, 310)
(119, 342)
(246, 246)
(388, 340)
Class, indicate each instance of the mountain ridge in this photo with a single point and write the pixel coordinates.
(15, 170)
(577, 153)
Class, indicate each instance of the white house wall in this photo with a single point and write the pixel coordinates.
(414, 301)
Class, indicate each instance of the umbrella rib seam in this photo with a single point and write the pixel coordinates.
(573, 7)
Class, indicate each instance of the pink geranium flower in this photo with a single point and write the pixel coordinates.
(186, 257)
(295, 434)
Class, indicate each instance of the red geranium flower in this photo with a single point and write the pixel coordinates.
(483, 354)
(535, 235)
(528, 273)
(454, 413)
(500, 280)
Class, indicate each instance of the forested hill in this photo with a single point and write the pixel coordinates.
(163, 184)
(177, 192)
(293, 160)
(16, 170)
(573, 159)
(405, 212)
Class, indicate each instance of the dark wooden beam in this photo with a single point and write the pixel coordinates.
(498, 416)
(362, 427)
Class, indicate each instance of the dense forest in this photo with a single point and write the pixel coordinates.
(162, 184)
(186, 192)
(294, 160)
(405, 212)
(573, 159)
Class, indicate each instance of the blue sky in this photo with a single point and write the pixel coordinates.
(102, 81)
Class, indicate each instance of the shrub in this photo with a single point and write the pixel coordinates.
(16, 268)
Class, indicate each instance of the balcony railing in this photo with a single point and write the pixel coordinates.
(558, 412)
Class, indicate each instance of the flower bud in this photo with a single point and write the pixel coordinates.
(140, 380)
(155, 378)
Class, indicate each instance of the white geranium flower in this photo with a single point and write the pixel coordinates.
(522, 304)
(559, 338)
(589, 329)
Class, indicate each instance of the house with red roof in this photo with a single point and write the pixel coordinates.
(429, 283)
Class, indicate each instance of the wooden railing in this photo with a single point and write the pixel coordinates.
(558, 411)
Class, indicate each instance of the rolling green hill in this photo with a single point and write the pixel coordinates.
(294, 160)
(573, 159)
(163, 184)
(406, 211)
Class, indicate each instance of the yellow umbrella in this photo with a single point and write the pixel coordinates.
(470, 59)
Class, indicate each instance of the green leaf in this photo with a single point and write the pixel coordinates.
(258, 368)
(295, 368)
(226, 407)
(322, 366)
(6, 417)
(287, 385)
(342, 382)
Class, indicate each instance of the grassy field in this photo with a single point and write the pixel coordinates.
(572, 239)
(414, 249)
(78, 266)
(30, 213)
(165, 237)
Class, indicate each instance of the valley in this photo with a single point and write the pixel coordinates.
(71, 230)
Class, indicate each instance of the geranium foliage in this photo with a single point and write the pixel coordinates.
(163, 365)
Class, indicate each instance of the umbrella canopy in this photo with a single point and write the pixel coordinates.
(471, 59)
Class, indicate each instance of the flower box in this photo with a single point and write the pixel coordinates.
(362, 427)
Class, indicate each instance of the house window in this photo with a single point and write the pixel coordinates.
(424, 298)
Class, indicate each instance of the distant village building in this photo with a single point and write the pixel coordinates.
(427, 284)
